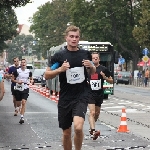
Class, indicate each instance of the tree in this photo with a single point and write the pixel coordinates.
(22, 45)
(105, 20)
(8, 19)
(49, 23)
(141, 31)
(13, 3)
(8, 25)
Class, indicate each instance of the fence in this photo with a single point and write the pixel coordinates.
(139, 82)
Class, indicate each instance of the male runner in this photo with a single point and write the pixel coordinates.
(74, 90)
(22, 77)
(10, 72)
(96, 83)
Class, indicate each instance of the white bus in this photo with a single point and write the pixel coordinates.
(107, 59)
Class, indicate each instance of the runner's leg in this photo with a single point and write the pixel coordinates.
(78, 130)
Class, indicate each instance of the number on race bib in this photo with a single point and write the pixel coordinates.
(19, 87)
(95, 84)
(75, 75)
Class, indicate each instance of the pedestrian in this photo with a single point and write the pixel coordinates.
(22, 77)
(96, 83)
(139, 74)
(11, 70)
(74, 66)
(146, 76)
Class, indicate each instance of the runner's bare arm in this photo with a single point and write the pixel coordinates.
(2, 91)
(31, 78)
(108, 79)
(91, 69)
(13, 80)
(50, 74)
(8, 76)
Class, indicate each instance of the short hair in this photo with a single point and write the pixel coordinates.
(71, 28)
(14, 58)
(96, 53)
(23, 59)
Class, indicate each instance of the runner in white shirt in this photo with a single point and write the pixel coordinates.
(22, 77)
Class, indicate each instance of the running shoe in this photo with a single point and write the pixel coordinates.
(16, 112)
(21, 120)
(96, 134)
(91, 133)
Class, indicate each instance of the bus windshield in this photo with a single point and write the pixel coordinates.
(105, 57)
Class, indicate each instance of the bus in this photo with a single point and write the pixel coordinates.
(107, 59)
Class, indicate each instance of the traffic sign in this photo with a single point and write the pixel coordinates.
(145, 51)
(145, 58)
(121, 61)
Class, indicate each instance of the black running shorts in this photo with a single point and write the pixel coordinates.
(97, 100)
(13, 91)
(22, 95)
(66, 115)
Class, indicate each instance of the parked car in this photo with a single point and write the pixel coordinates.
(30, 67)
(123, 77)
(37, 75)
(43, 81)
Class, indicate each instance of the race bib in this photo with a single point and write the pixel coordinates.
(19, 87)
(95, 84)
(75, 75)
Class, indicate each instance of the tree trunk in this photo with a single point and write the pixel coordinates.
(135, 61)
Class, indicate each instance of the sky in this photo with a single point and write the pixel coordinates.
(23, 13)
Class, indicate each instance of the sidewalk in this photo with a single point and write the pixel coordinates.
(139, 82)
(133, 86)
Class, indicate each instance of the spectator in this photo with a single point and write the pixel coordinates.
(146, 76)
(139, 74)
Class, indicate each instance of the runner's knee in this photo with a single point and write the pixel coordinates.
(97, 113)
(67, 133)
(92, 113)
(23, 102)
(78, 127)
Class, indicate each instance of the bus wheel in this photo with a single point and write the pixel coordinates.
(105, 96)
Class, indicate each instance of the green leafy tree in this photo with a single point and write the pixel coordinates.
(8, 25)
(13, 3)
(141, 31)
(105, 20)
(22, 45)
(49, 23)
(8, 20)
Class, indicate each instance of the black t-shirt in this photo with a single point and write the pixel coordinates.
(69, 89)
(96, 80)
(11, 70)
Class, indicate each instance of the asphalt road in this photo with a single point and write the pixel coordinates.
(40, 130)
